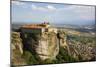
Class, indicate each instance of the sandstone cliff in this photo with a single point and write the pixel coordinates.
(16, 49)
(48, 47)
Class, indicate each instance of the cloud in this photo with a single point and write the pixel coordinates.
(34, 7)
(43, 8)
(86, 12)
(17, 3)
(79, 12)
(51, 7)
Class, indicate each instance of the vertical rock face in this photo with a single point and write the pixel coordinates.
(16, 42)
(45, 44)
(17, 49)
(63, 40)
(48, 47)
(43, 39)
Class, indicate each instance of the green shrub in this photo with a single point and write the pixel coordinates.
(30, 59)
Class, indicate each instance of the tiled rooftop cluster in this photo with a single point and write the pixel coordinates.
(43, 25)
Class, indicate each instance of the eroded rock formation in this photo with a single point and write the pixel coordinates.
(46, 44)
(48, 47)
(17, 49)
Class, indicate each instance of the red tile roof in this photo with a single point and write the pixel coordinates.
(43, 25)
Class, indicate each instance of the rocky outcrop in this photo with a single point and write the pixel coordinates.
(62, 36)
(45, 45)
(16, 49)
(48, 47)
(16, 42)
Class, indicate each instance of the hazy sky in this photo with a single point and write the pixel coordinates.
(30, 12)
